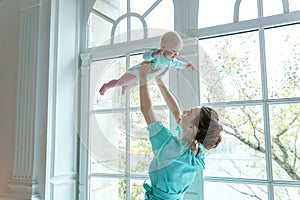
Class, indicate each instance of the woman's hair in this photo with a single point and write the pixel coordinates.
(209, 128)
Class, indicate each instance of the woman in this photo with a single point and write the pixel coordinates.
(176, 159)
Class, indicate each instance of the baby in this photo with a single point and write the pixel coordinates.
(165, 57)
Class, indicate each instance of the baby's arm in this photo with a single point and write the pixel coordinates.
(182, 65)
(190, 67)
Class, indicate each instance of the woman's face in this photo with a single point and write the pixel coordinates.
(187, 121)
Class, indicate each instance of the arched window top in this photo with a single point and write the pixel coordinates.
(215, 12)
(120, 21)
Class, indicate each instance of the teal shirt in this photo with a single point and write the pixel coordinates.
(174, 165)
(158, 62)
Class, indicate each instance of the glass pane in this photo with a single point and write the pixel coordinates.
(99, 26)
(137, 32)
(282, 58)
(285, 126)
(248, 10)
(231, 62)
(137, 192)
(162, 17)
(112, 9)
(140, 148)
(120, 34)
(156, 96)
(102, 72)
(96, 37)
(272, 7)
(107, 143)
(234, 191)
(294, 5)
(286, 193)
(107, 188)
(241, 154)
(159, 19)
(215, 12)
(134, 92)
(137, 7)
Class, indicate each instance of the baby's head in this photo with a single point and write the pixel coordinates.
(171, 42)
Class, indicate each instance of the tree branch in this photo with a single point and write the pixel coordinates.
(287, 167)
(237, 135)
(289, 125)
(245, 193)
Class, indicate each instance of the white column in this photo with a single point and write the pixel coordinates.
(61, 165)
(23, 186)
(185, 15)
(186, 19)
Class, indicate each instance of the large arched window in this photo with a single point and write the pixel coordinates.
(247, 61)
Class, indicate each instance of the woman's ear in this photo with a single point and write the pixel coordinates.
(193, 128)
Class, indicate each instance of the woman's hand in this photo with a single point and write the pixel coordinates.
(146, 69)
(159, 52)
(194, 147)
(159, 77)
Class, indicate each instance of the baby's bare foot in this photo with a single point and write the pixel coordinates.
(103, 89)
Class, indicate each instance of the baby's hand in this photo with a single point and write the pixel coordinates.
(190, 67)
(157, 53)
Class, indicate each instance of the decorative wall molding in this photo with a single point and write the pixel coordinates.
(28, 4)
(21, 190)
(27, 75)
(70, 177)
(23, 186)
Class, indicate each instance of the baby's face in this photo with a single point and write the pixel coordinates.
(171, 54)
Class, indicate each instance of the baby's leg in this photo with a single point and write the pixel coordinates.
(125, 79)
(108, 85)
(127, 87)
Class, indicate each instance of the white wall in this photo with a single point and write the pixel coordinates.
(9, 49)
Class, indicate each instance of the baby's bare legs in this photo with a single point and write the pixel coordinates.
(127, 87)
(108, 85)
(126, 81)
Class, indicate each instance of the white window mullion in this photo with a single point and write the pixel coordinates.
(260, 8)
(127, 115)
(285, 6)
(128, 21)
(266, 119)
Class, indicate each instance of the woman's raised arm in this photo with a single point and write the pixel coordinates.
(145, 100)
(169, 98)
